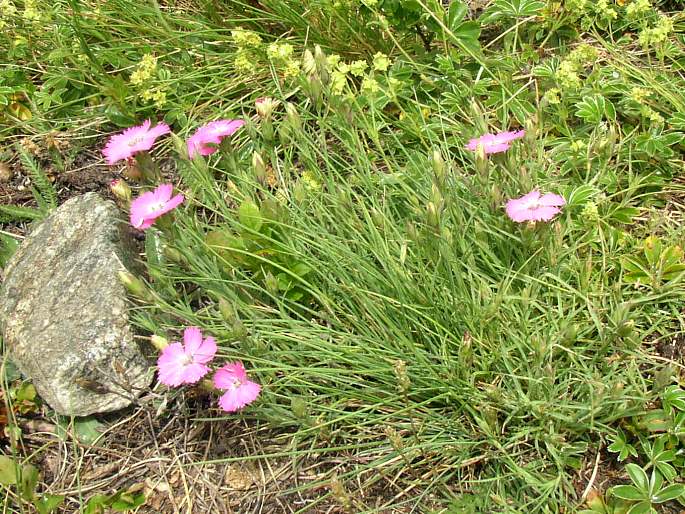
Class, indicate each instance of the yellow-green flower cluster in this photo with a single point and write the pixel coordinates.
(246, 38)
(590, 213)
(146, 70)
(7, 11)
(654, 117)
(657, 34)
(553, 96)
(381, 62)
(156, 95)
(144, 76)
(639, 94)
(602, 7)
(31, 13)
(567, 75)
(637, 7)
(340, 71)
(281, 55)
(246, 42)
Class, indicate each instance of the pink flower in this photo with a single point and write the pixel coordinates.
(211, 133)
(533, 207)
(133, 140)
(151, 205)
(240, 391)
(495, 143)
(186, 363)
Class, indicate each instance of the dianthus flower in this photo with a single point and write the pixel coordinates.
(186, 363)
(211, 133)
(535, 207)
(495, 143)
(133, 140)
(240, 391)
(151, 205)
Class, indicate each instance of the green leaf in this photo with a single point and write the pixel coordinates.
(29, 479)
(8, 246)
(249, 215)
(47, 503)
(580, 195)
(126, 501)
(84, 429)
(26, 392)
(643, 507)
(8, 471)
(627, 492)
(16, 212)
(456, 14)
(638, 476)
(595, 108)
(97, 504)
(668, 493)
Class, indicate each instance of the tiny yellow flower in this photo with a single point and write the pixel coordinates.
(381, 62)
(357, 68)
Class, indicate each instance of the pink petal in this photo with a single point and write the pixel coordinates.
(192, 339)
(235, 399)
(552, 200)
(162, 192)
(544, 213)
(226, 376)
(193, 372)
(206, 351)
(495, 143)
(171, 365)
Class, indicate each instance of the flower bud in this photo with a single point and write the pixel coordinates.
(265, 106)
(439, 167)
(481, 161)
(134, 285)
(159, 342)
(530, 132)
(121, 190)
(432, 215)
(292, 117)
(259, 168)
(271, 284)
(321, 64)
(227, 311)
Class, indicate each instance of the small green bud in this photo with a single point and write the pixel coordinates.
(271, 283)
(481, 161)
(159, 342)
(259, 168)
(121, 191)
(292, 117)
(180, 146)
(432, 215)
(439, 167)
(134, 285)
(227, 311)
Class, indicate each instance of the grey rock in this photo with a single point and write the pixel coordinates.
(63, 311)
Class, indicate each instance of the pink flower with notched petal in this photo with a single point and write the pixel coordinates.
(133, 140)
(495, 143)
(535, 207)
(240, 391)
(151, 205)
(211, 133)
(186, 363)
